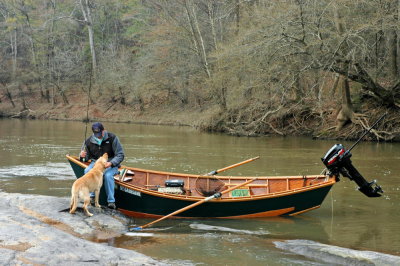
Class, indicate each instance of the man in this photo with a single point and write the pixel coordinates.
(94, 147)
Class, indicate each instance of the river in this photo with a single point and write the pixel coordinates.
(33, 161)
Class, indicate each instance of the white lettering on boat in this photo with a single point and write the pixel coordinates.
(130, 191)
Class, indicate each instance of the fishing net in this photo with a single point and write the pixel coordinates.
(208, 186)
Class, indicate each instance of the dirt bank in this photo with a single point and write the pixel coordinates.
(103, 108)
(290, 120)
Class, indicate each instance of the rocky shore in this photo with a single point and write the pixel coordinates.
(34, 230)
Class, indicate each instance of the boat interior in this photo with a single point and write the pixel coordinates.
(203, 186)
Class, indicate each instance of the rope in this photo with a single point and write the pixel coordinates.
(331, 233)
(88, 99)
(87, 106)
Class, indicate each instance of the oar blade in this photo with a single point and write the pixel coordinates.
(216, 195)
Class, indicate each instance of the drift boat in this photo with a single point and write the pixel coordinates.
(154, 194)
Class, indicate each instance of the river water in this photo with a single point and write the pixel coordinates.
(33, 161)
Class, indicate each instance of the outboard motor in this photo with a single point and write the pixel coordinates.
(337, 160)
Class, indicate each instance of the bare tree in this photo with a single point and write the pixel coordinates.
(87, 14)
(24, 10)
(197, 35)
(346, 112)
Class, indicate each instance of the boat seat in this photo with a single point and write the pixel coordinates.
(121, 175)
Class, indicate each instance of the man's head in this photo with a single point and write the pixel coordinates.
(97, 129)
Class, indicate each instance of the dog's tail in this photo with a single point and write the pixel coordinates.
(74, 200)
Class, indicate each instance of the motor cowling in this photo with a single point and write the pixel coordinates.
(337, 161)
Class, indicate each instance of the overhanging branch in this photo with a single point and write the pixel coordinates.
(387, 96)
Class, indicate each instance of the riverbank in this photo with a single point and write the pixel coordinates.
(292, 120)
(103, 109)
(35, 231)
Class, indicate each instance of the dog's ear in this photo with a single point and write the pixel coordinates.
(105, 156)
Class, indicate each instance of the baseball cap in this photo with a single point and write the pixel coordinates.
(97, 129)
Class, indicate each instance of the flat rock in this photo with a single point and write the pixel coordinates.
(335, 255)
(34, 230)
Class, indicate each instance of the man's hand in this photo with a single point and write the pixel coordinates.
(82, 154)
(108, 164)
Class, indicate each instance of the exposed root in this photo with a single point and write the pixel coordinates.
(387, 130)
(256, 120)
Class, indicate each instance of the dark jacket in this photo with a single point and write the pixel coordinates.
(110, 145)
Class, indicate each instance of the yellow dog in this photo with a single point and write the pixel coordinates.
(91, 181)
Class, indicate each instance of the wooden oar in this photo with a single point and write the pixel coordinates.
(232, 166)
(216, 195)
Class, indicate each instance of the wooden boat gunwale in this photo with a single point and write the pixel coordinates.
(201, 176)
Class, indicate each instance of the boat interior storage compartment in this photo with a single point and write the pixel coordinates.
(173, 186)
(174, 183)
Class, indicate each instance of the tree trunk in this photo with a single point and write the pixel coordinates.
(392, 48)
(33, 49)
(387, 97)
(50, 53)
(237, 16)
(53, 102)
(298, 88)
(89, 23)
(194, 24)
(64, 97)
(22, 96)
(61, 91)
(332, 92)
(222, 98)
(346, 112)
(9, 95)
(345, 115)
(14, 53)
(211, 17)
(122, 94)
(193, 36)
